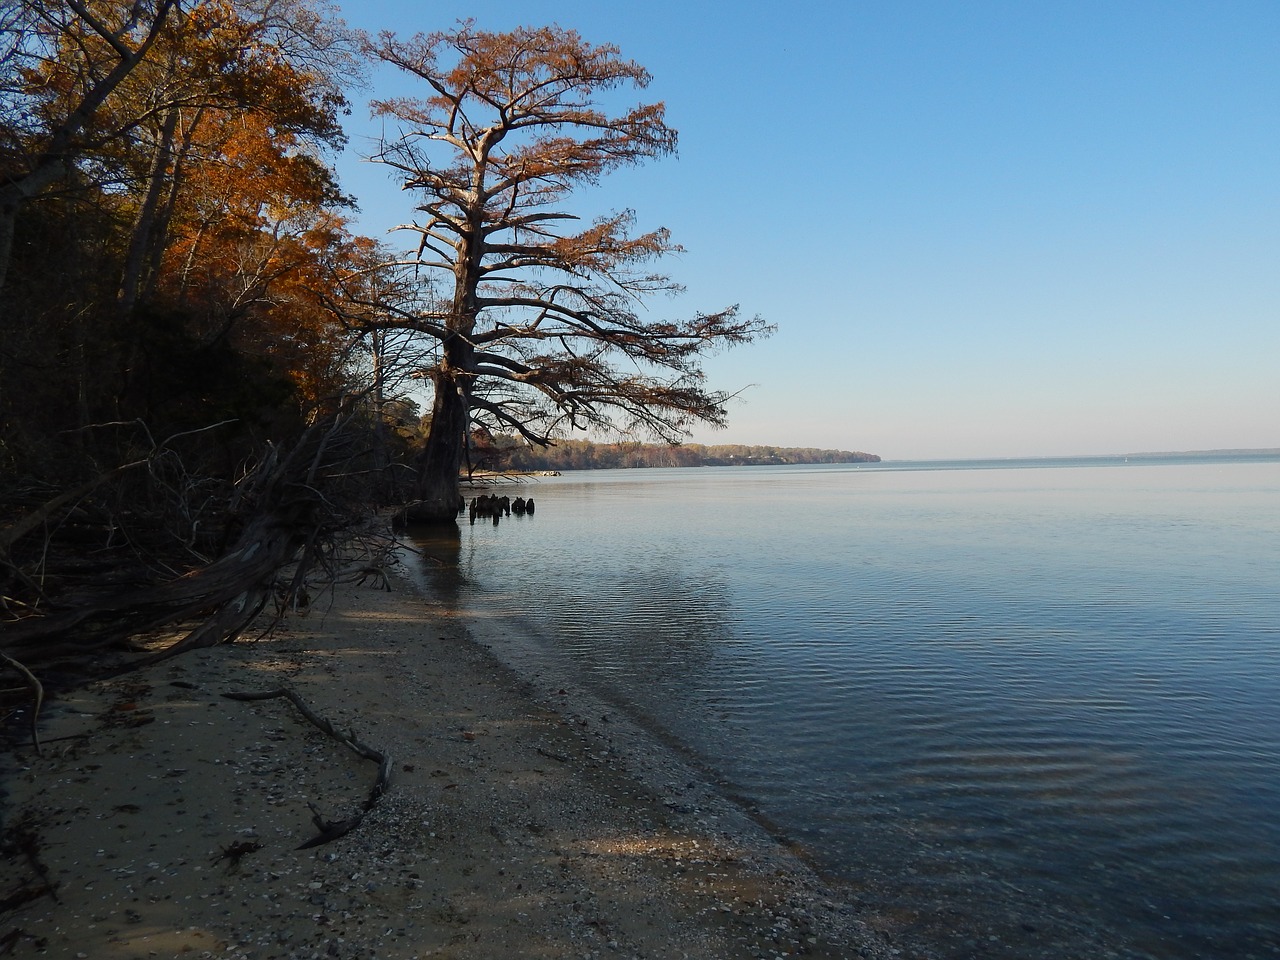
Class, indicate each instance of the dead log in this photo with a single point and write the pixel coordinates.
(41, 515)
(234, 587)
(280, 513)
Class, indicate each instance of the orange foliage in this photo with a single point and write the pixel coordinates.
(210, 147)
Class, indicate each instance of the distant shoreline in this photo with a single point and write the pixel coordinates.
(589, 455)
(872, 461)
(1245, 453)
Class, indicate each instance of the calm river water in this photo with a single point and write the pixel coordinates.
(1018, 709)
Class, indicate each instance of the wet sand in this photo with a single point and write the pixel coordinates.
(164, 820)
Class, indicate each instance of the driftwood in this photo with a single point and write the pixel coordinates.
(235, 852)
(330, 830)
(37, 696)
(38, 517)
(21, 842)
(284, 512)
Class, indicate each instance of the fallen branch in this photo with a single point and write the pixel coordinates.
(37, 690)
(25, 895)
(21, 840)
(273, 518)
(329, 830)
(40, 516)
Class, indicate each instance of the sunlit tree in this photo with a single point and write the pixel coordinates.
(92, 48)
(208, 155)
(540, 320)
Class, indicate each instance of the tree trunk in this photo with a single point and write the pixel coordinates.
(14, 195)
(386, 487)
(442, 457)
(145, 228)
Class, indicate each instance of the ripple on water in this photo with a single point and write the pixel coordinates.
(1037, 705)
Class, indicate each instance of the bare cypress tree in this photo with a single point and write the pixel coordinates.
(541, 325)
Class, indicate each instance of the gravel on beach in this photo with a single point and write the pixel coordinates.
(163, 819)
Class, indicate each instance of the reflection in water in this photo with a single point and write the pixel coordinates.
(439, 549)
(1022, 713)
(650, 626)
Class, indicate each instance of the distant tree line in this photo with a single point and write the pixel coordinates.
(505, 452)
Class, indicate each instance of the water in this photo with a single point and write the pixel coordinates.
(1019, 710)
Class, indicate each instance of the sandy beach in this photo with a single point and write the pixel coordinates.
(163, 819)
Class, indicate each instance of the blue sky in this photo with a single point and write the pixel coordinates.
(983, 229)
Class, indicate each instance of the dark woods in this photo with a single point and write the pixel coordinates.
(189, 430)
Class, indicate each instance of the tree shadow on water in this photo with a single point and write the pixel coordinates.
(438, 560)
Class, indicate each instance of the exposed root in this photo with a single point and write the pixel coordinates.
(329, 830)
